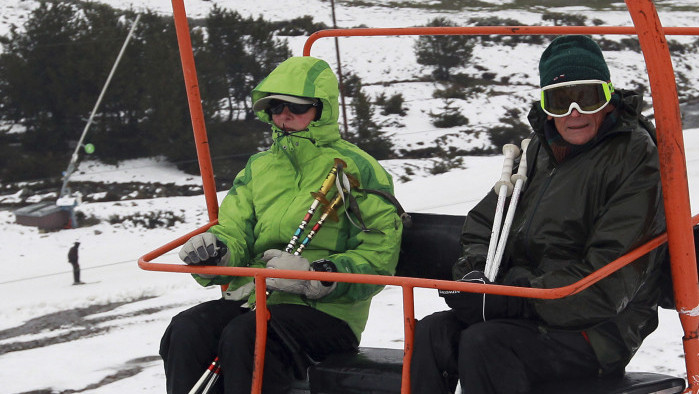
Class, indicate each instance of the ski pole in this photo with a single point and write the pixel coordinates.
(319, 197)
(213, 370)
(520, 178)
(344, 183)
(329, 211)
(503, 188)
(214, 377)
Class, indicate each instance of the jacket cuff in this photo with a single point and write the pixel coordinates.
(324, 265)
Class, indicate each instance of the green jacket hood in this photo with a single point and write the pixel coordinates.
(305, 76)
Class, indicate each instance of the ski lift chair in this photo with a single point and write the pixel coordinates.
(379, 370)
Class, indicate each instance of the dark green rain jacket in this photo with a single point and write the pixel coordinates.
(574, 218)
(270, 197)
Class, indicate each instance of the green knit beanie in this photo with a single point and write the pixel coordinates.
(572, 58)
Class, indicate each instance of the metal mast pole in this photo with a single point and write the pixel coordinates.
(74, 158)
(339, 74)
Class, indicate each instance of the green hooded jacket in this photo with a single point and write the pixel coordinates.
(270, 197)
(574, 218)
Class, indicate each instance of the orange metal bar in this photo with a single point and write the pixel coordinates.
(173, 244)
(409, 322)
(195, 109)
(555, 293)
(673, 171)
(261, 318)
(484, 30)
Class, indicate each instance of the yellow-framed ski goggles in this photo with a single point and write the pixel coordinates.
(587, 96)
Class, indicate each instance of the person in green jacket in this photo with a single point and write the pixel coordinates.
(593, 193)
(257, 220)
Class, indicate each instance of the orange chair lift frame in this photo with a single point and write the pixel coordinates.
(673, 171)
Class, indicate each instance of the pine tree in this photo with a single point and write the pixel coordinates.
(42, 85)
(449, 117)
(366, 134)
(166, 127)
(443, 52)
(238, 52)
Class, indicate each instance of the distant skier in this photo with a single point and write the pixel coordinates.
(73, 260)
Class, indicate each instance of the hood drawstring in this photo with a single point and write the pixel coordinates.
(285, 133)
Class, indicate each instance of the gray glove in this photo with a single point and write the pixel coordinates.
(204, 249)
(312, 289)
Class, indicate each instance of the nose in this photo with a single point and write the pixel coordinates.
(575, 113)
(286, 111)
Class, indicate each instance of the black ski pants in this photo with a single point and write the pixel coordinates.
(497, 356)
(220, 327)
(76, 272)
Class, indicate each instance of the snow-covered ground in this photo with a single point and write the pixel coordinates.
(109, 342)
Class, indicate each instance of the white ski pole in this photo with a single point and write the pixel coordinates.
(212, 371)
(503, 188)
(212, 381)
(520, 178)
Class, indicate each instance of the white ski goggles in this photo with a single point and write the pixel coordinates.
(588, 97)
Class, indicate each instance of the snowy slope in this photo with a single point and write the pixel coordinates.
(106, 340)
(115, 350)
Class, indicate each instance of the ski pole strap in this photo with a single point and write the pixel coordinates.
(344, 184)
(354, 207)
(404, 216)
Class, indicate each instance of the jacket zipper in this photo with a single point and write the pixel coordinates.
(283, 144)
(539, 197)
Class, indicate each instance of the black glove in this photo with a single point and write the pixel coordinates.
(499, 306)
(467, 263)
(471, 308)
(467, 306)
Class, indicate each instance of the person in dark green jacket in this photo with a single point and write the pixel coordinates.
(593, 194)
(257, 219)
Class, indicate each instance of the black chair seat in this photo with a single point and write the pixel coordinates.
(378, 371)
(429, 249)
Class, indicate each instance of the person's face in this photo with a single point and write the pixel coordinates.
(289, 121)
(577, 128)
